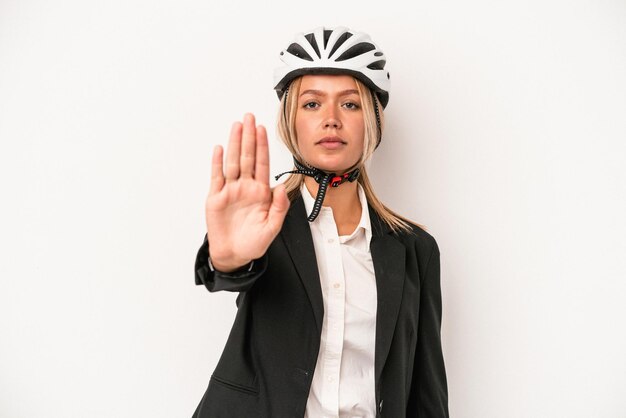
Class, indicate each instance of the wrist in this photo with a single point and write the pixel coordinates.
(232, 268)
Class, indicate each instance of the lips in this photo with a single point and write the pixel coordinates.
(332, 140)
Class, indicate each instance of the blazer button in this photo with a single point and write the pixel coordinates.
(380, 406)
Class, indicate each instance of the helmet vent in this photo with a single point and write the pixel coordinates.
(378, 65)
(311, 38)
(356, 50)
(340, 42)
(299, 52)
(326, 37)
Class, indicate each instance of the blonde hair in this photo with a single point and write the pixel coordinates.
(286, 130)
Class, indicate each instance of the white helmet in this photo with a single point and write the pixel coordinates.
(334, 51)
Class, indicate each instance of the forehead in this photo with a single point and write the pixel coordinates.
(328, 84)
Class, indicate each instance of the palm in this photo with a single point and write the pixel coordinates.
(240, 211)
(243, 215)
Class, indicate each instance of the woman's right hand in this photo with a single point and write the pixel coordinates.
(243, 215)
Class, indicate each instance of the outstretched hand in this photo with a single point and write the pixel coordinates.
(243, 215)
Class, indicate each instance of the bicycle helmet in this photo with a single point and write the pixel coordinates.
(334, 51)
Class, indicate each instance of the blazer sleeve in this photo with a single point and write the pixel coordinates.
(428, 397)
(238, 281)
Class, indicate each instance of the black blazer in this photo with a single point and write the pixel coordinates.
(266, 368)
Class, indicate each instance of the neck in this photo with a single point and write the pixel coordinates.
(343, 200)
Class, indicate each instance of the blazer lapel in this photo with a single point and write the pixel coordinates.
(388, 257)
(296, 234)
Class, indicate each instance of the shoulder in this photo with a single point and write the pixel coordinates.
(419, 244)
(415, 236)
(419, 239)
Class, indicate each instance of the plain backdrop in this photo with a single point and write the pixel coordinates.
(506, 132)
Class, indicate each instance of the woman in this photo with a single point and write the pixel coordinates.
(339, 305)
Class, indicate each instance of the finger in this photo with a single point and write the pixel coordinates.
(232, 154)
(262, 168)
(217, 174)
(248, 146)
(278, 209)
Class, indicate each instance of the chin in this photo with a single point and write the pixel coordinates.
(332, 164)
(337, 169)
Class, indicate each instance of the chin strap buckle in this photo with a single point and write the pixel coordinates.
(337, 180)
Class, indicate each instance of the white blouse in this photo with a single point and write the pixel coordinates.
(344, 383)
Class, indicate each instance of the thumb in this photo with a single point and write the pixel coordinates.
(278, 208)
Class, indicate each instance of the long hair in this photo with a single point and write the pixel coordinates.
(287, 132)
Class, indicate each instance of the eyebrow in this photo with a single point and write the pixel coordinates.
(322, 93)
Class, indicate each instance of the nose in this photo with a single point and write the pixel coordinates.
(331, 120)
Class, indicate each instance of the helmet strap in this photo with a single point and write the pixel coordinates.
(324, 180)
(285, 103)
(380, 132)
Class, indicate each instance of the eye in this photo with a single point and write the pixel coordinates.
(310, 105)
(351, 105)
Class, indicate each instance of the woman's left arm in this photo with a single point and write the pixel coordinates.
(428, 396)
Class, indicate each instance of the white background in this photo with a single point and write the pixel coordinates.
(506, 133)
